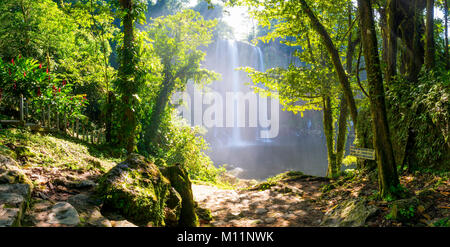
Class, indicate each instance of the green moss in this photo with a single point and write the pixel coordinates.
(55, 150)
(24, 151)
(204, 213)
(444, 222)
(180, 181)
(290, 175)
(403, 210)
(272, 181)
(137, 190)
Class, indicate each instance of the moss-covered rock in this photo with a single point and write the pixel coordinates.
(204, 214)
(136, 189)
(180, 181)
(11, 173)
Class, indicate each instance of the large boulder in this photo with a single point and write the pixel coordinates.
(353, 212)
(180, 181)
(136, 189)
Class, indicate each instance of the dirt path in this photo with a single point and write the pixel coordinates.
(291, 203)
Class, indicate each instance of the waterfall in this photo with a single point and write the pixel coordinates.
(261, 59)
(253, 147)
(234, 62)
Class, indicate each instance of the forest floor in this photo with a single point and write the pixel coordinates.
(64, 174)
(283, 204)
(299, 200)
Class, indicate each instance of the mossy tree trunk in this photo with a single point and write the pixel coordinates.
(447, 57)
(151, 130)
(343, 111)
(328, 130)
(126, 75)
(179, 180)
(411, 29)
(429, 36)
(392, 33)
(387, 171)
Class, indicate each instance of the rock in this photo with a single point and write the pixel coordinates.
(84, 184)
(204, 213)
(122, 223)
(173, 208)
(218, 223)
(88, 209)
(289, 216)
(136, 189)
(260, 211)
(9, 217)
(300, 212)
(352, 212)
(63, 213)
(59, 214)
(179, 179)
(21, 189)
(11, 173)
(269, 220)
(14, 199)
(76, 184)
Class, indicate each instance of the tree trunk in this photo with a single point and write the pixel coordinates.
(417, 57)
(151, 129)
(328, 130)
(126, 71)
(343, 111)
(391, 53)
(411, 27)
(429, 36)
(342, 131)
(335, 58)
(108, 121)
(447, 57)
(387, 171)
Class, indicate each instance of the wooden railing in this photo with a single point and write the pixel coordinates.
(51, 121)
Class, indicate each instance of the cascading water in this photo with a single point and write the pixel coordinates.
(299, 143)
(236, 132)
(261, 60)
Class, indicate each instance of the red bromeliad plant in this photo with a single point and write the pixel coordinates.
(21, 76)
(25, 76)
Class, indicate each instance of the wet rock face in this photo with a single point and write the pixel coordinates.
(352, 212)
(136, 189)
